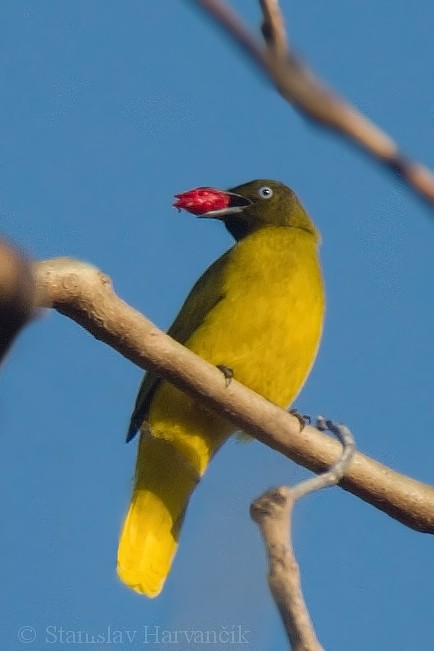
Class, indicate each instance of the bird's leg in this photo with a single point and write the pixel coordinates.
(227, 372)
(303, 419)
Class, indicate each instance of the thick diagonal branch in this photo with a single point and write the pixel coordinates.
(84, 294)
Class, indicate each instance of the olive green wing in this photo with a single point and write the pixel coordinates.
(204, 296)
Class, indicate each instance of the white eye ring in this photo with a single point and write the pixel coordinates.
(265, 192)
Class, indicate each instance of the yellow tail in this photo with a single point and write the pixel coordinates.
(164, 481)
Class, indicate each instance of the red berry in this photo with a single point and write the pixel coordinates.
(202, 200)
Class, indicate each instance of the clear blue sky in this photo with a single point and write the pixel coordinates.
(108, 109)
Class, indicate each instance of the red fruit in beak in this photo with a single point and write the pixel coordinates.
(202, 200)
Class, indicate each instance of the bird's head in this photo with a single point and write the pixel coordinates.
(249, 207)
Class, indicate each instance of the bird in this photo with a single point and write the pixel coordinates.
(257, 312)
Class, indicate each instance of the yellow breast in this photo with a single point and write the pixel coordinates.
(266, 328)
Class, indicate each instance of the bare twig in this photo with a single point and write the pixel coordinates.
(17, 294)
(272, 512)
(335, 473)
(298, 85)
(273, 27)
(84, 294)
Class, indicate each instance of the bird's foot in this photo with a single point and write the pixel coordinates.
(227, 372)
(303, 419)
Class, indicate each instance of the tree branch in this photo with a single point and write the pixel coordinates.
(273, 27)
(273, 514)
(17, 294)
(84, 294)
(298, 85)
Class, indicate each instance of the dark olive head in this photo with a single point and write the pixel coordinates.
(261, 203)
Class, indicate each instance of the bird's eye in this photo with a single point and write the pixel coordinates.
(265, 192)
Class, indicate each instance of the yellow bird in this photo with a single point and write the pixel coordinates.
(257, 310)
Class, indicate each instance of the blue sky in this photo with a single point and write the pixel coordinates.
(108, 109)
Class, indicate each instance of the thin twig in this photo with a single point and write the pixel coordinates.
(273, 27)
(334, 474)
(299, 86)
(272, 512)
(84, 294)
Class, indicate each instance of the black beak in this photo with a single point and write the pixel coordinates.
(236, 204)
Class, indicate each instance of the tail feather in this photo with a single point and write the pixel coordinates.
(164, 482)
